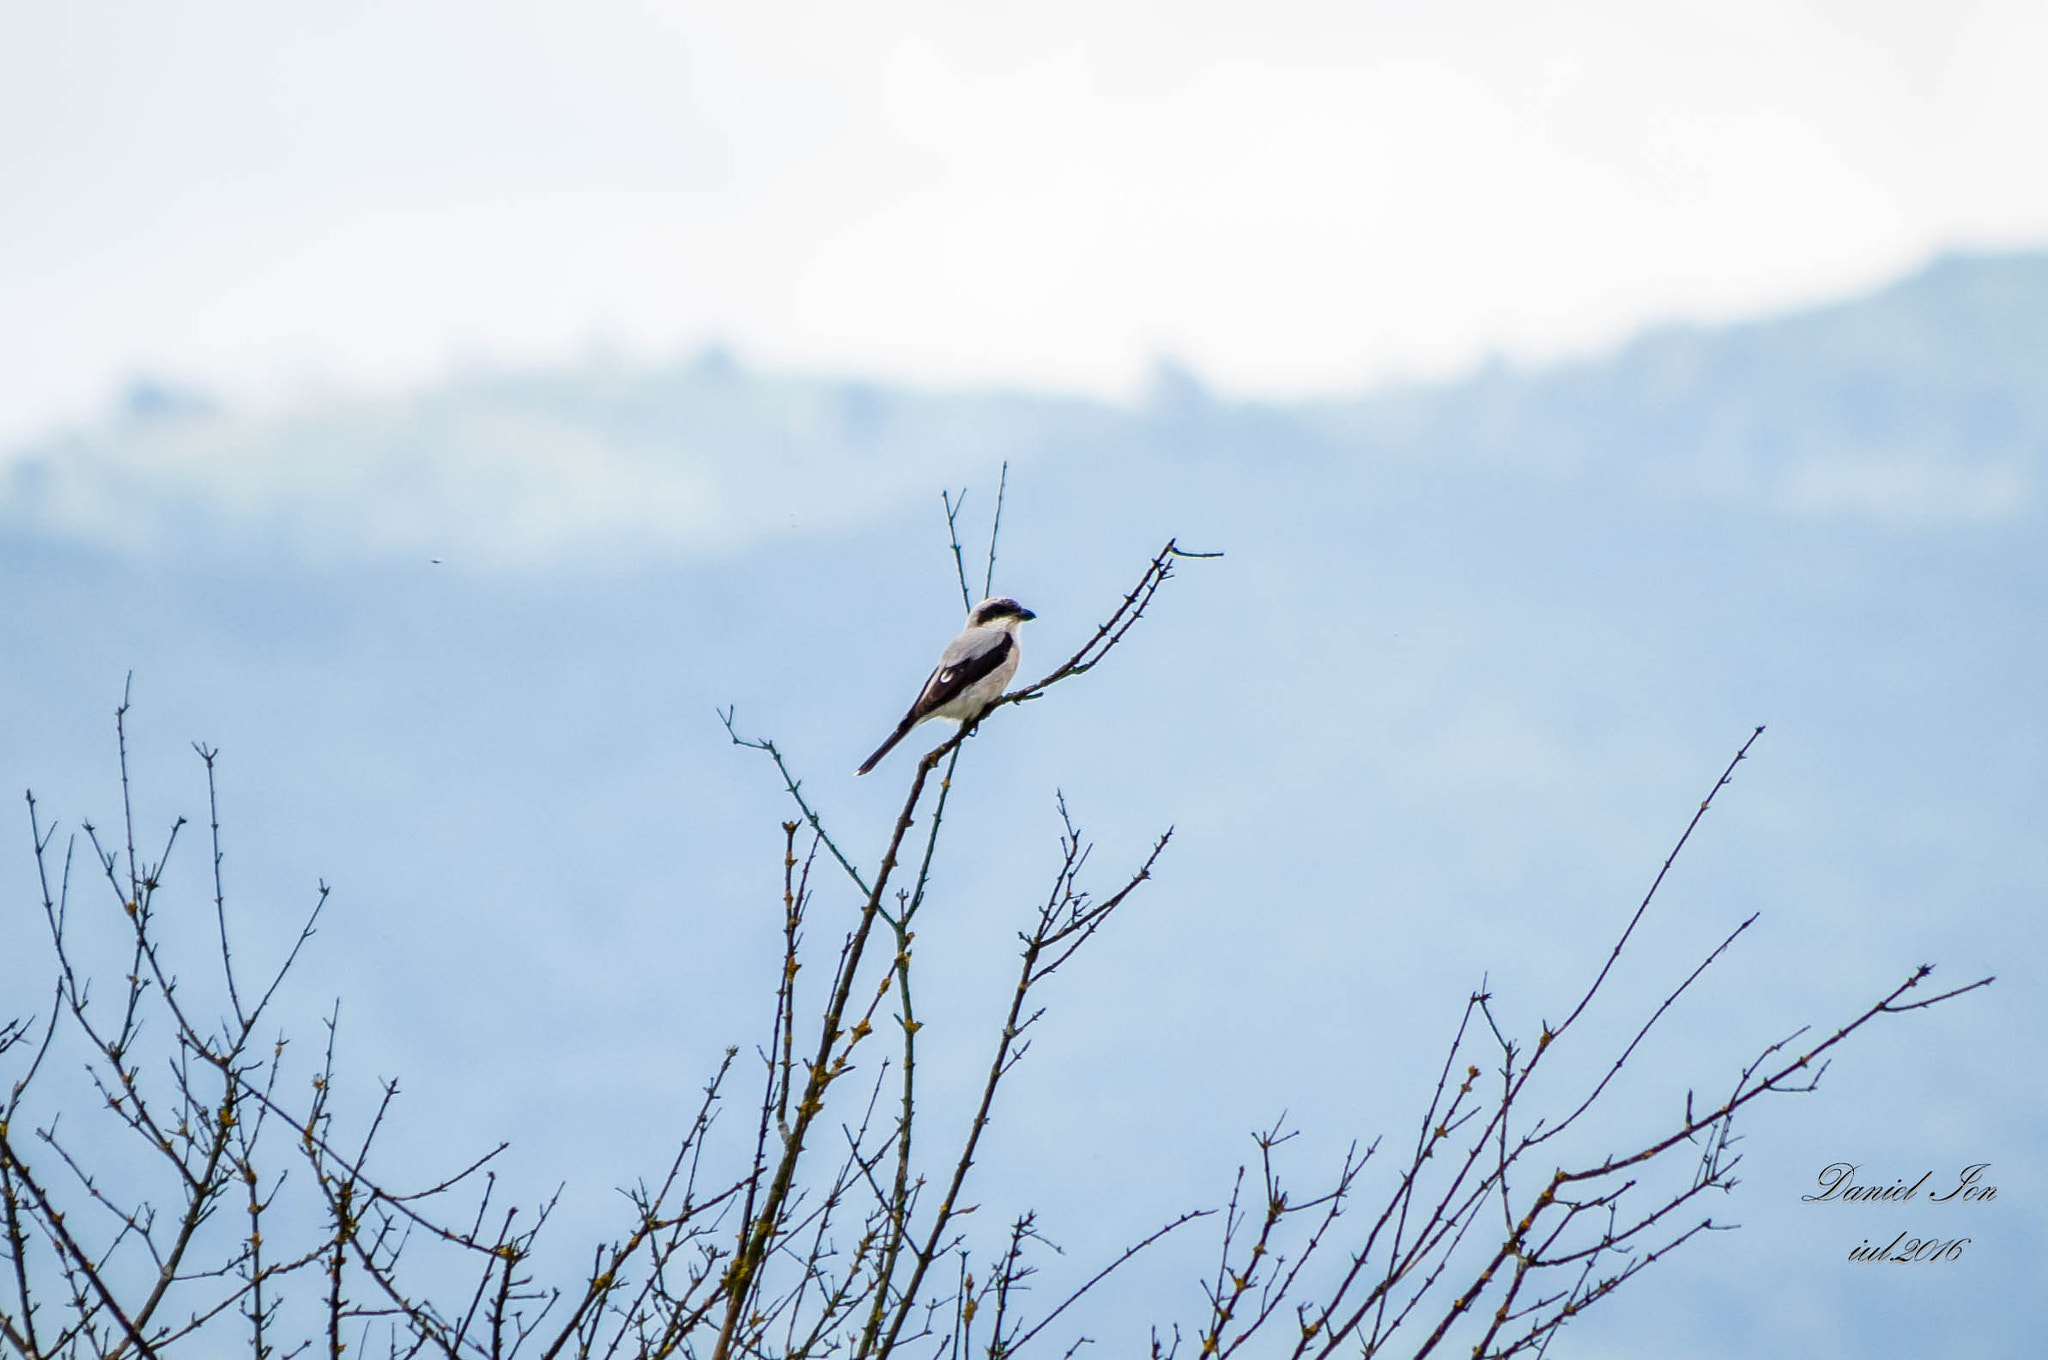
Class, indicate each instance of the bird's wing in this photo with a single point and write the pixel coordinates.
(973, 655)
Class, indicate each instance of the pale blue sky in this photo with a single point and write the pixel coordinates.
(1307, 197)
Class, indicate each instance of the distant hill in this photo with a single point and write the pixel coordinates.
(1923, 402)
(1926, 400)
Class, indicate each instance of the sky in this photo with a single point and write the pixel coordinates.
(1306, 197)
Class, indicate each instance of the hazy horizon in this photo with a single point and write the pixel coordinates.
(1297, 200)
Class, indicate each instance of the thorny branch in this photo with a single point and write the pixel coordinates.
(1410, 1282)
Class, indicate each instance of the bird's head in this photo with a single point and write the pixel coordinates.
(998, 612)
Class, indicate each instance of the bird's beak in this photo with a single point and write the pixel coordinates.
(1025, 614)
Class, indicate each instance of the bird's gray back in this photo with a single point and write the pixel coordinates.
(970, 645)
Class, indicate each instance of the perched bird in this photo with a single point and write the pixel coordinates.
(971, 673)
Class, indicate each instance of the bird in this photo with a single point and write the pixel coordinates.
(971, 673)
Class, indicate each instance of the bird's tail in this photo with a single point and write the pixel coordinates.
(902, 730)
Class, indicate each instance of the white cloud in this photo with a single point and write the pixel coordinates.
(1300, 198)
